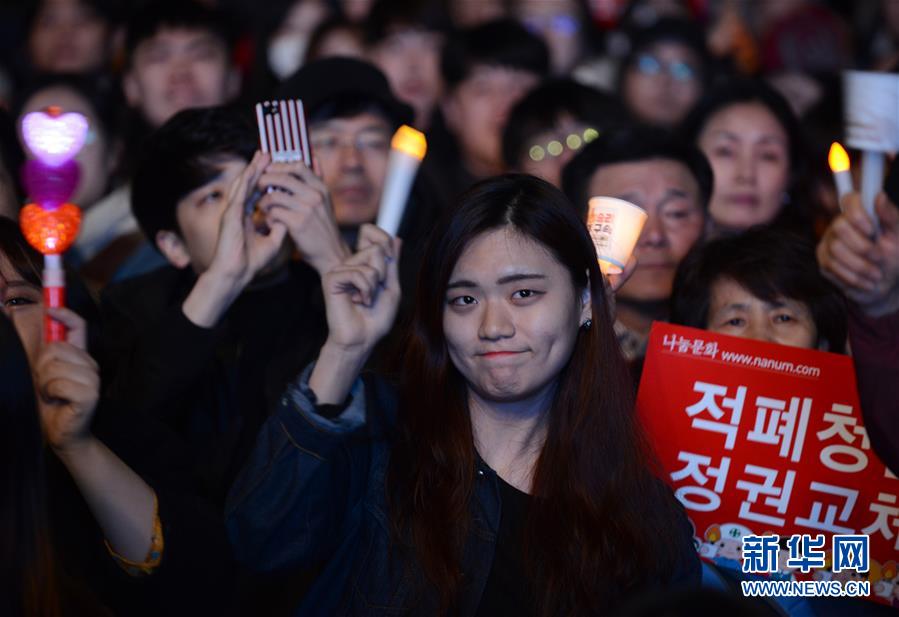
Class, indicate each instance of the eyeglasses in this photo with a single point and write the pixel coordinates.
(679, 70)
(366, 144)
(574, 141)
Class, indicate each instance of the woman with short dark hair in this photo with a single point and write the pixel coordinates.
(763, 284)
(509, 476)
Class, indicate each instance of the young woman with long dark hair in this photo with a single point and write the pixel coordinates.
(28, 575)
(509, 475)
(75, 474)
(67, 383)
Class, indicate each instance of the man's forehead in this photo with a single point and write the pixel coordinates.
(670, 172)
(361, 122)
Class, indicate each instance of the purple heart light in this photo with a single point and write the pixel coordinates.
(50, 186)
(54, 137)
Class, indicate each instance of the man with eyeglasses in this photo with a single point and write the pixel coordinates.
(352, 116)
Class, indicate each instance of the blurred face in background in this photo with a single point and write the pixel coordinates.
(352, 154)
(179, 69)
(96, 159)
(410, 58)
(68, 36)
(558, 23)
(663, 83)
(476, 112)
(670, 195)
(749, 152)
(287, 46)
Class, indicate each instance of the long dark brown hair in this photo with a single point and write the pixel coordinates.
(32, 579)
(598, 510)
(27, 567)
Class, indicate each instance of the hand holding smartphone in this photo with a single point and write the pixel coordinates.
(283, 134)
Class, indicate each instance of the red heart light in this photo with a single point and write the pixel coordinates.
(50, 231)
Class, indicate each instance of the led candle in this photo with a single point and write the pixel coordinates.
(407, 149)
(838, 160)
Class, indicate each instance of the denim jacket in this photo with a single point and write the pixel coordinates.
(313, 492)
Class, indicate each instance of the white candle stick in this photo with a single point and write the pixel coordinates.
(872, 181)
(838, 160)
(408, 148)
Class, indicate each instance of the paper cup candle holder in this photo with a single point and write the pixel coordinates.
(614, 225)
(49, 222)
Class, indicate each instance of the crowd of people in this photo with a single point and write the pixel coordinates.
(281, 409)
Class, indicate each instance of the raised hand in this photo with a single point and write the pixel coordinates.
(362, 294)
(361, 298)
(242, 251)
(68, 384)
(303, 206)
(861, 261)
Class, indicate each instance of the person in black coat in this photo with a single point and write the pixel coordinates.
(202, 344)
(206, 344)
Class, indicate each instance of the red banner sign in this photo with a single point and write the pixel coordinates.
(758, 438)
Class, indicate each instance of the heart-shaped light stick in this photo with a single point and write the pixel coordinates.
(54, 137)
(51, 224)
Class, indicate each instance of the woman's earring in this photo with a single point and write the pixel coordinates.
(586, 325)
